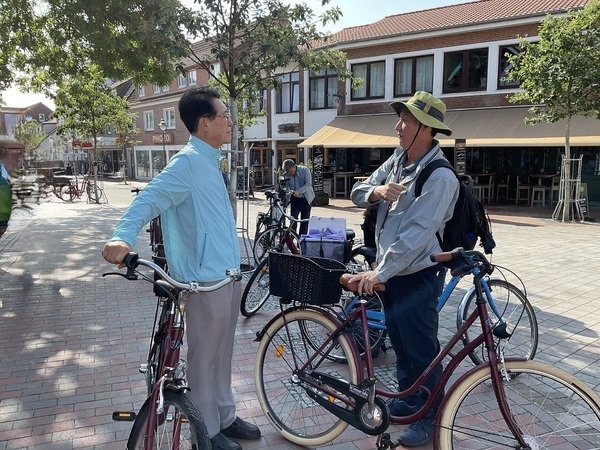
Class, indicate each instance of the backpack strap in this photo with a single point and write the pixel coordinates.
(427, 171)
(424, 176)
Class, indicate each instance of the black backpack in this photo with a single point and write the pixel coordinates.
(469, 220)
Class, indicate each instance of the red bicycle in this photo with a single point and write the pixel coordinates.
(168, 420)
(74, 190)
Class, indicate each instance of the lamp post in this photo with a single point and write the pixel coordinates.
(163, 126)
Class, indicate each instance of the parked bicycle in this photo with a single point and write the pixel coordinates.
(311, 398)
(167, 420)
(74, 190)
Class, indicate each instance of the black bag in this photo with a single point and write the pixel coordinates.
(469, 220)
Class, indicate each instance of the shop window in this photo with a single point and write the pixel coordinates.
(466, 71)
(373, 80)
(412, 75)
(323, 89)
(504, 67)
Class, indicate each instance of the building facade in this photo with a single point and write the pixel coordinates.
(456, 52)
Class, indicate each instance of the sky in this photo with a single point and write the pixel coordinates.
(355, 12)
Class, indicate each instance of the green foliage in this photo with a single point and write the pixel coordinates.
(251, 39)
(30, 134)
(86, 107)
(562, 70)
(50, 40)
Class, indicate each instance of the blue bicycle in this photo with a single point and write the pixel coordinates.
(514, 320)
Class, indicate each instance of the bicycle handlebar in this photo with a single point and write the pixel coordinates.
(288, 217)
(463, 261)
(132, 261)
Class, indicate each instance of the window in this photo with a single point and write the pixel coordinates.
(165, 88)
(504, 67)
(156, 89)
(169, 116)
(474, 78)
(261, 104)
(373, 76)
(41, 117)
(148, 120)
(141, 91)
(412, 75)
(323, 89)
(288, 93)
(192, 77)
(181, 80)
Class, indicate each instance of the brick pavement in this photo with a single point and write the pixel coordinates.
(73, 341)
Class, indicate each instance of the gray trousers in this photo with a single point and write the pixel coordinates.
(211, 319)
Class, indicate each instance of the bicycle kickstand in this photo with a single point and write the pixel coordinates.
(384, 442)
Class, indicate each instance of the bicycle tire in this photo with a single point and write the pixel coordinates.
(94, 193)
(179, 412)
(257, 290)
(271, 240)
(516, 311)
(554, 410)
(65, 193)
(283, 399)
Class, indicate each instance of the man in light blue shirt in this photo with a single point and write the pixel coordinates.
(201, 243)
(300, 182)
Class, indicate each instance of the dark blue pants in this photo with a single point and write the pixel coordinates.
(300, 208)
(411, 320)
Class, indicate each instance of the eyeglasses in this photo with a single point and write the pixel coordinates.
(225, 115)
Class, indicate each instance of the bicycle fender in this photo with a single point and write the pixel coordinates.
(323, 312)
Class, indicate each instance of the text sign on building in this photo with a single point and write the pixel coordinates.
(460, 156)
(158, 138)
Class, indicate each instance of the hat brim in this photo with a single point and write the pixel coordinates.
(422, 117)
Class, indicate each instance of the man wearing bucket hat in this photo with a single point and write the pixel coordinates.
(300, 182)
(406, 236)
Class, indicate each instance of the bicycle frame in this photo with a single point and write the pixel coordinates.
(366, 390)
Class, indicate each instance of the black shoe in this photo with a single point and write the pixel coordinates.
(240, 429)
(220, 442)
(401, 408)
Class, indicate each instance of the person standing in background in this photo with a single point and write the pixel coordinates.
(303, 194)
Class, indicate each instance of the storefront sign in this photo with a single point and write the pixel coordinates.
(158, 138)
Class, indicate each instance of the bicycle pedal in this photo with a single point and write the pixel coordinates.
(124, 416)
(143, 368)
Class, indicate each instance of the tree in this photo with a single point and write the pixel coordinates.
(49, 40)
(560, 76)
(30, 134)
(86, 107)
(251, 40)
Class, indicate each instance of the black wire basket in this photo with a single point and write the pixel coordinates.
(305, 279)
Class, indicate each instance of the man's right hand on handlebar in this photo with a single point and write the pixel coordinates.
(115, 251)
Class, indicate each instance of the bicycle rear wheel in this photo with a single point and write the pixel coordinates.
(257, 290)
(554, 410)
(516, 311)
(65, 193)
(271, 240)
(180, 427)
(285, 399)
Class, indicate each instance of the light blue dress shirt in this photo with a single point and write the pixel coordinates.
(199, 229)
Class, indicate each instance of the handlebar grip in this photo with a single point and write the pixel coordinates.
(454, 255)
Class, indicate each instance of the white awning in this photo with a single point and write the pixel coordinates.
(492, 127)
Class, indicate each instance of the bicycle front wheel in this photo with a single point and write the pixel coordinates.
(180, 427)
(272, 240)
(65, 193)
(515, 310)
(257, 290)
(283, 397)
(553, 410)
